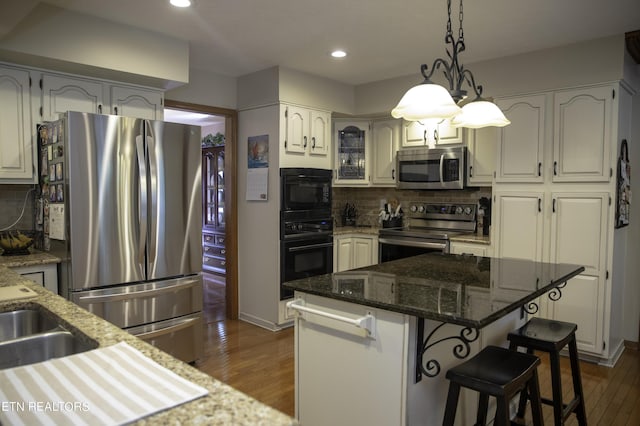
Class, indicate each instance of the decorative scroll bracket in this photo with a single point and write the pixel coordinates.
(461, 350)
(554, 294)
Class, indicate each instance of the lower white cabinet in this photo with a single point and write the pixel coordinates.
(352, 251)
(474, 249)
(46, 275)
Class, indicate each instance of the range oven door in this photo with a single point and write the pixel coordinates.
(393, 248)
(304, 257)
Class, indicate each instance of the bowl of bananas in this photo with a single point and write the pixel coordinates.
(15, 243)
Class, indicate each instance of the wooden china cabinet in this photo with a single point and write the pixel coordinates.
(213, 223)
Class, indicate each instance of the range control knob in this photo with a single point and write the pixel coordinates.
(413, 208)
(421, 209)
(458, 210)
(467, 210)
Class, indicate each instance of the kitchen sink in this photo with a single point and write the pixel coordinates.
(24, 322)
(34, 334)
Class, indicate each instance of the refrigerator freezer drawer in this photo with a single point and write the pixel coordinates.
(179, 337)
(137, 304)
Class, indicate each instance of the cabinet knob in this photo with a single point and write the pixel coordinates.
(470, 171)
(305, 141)
(313, 142)
(223, 251)
(555, 168)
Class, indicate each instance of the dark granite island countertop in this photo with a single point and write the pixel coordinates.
(444, 287)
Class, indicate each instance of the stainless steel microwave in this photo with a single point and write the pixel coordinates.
(436, 168)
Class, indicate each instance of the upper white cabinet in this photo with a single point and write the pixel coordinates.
(352, 153)
(306, 140)
(386, 138)
(482, 154)
(521, 144)
(582, 134)
(16, 139)
(139, 103)
(415, 133)
(63, 93)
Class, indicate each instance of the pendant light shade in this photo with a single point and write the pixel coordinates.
(480, 113)
(424, 102)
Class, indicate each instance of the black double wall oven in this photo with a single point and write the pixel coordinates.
(306, 225)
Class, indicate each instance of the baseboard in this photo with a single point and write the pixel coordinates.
(251, 319)
(634, 346)
(613, 359)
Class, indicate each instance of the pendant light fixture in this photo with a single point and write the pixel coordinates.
(430, 102)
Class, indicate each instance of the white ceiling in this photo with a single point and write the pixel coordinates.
(384, 38)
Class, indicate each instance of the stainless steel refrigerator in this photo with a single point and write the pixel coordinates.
(129, 192)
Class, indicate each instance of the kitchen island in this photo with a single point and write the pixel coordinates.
(373, 343)
(222, 406)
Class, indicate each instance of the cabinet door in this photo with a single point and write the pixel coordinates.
(352, 153)
(296, 138)
(482, 153)
(518, 221)
(16, 141)
(386, 135)
(468, 248)
(320, 133)
(582, 135)
(521, 144)
(362, 252)
(579, 236)
(139, 103)
(342, 253)
(62, 94)
(449, 135)
(414, 134)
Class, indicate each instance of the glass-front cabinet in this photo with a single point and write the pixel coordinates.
(213, 223)
(352, 153)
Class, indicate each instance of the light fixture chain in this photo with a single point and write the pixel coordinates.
(448, 18)
(461, 17)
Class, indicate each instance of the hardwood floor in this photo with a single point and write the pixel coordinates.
(260, 363)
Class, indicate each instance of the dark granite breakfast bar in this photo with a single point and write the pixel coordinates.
(448, 301)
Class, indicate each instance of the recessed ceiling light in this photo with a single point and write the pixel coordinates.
(180, 3)
(338, 54)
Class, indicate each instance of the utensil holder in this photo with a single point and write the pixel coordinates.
(394, 222)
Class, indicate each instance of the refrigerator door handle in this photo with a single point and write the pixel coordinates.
(180, 325)
(142, 212)
(138, 294)
(153, 171)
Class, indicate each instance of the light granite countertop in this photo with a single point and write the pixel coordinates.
(223, 405)
(343, 230)
(471, 238)
(35, 258)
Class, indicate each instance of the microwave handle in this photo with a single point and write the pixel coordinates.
(441, 168)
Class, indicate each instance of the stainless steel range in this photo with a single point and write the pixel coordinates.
(427, 228)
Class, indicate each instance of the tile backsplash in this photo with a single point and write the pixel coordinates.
(367, 200)
(12, 198)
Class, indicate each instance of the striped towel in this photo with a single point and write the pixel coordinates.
(106, 386)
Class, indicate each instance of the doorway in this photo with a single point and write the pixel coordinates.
(218, 122)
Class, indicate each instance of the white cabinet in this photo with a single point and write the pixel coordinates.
(46, 275)
(481, 155)
(306, 137)
(135, 102)
(17, 143)
(479, 249)
(64, 93)
(352, 251)
(521, 144)
(415, 133)
(518, 225)
(578, 236)
(582, 137)
(352, 159)
(386, 137)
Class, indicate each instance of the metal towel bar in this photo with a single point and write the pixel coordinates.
(367, 322)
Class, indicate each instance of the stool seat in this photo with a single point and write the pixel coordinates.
(496, 372)
(551, 336)
(543, 334)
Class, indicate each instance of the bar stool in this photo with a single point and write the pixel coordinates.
(551, 336)
(497, 372)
